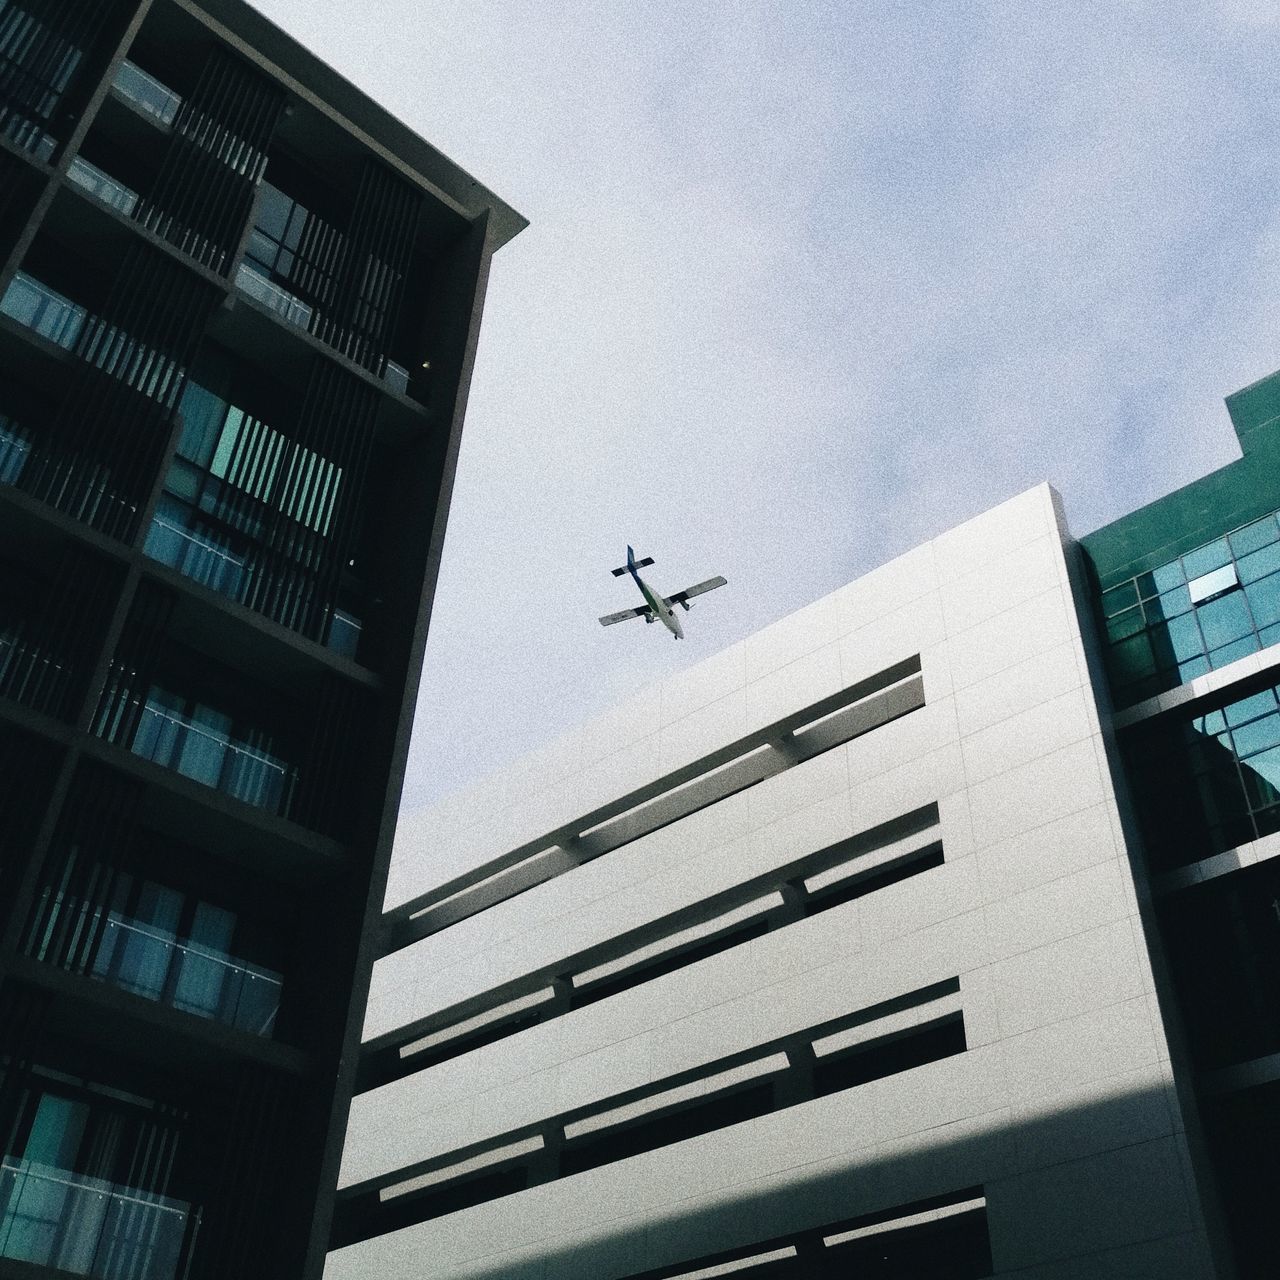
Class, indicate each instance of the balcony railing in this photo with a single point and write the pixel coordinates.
(103, 186)
(292, 309)
(281, 301)
(147, 93)
(90, 1227)
(396, 377)
(39, 308)
(15, 449)
(188, 976)
(197, 557)
(216, 760)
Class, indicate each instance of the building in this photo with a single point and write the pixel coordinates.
(239, 305)
(888, 941)
(1189, 611)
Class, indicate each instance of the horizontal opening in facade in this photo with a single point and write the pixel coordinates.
(862, 707)
(727, 1091)
(872, 860)
(942, 1238)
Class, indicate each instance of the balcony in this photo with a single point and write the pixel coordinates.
(103, 186)
(188, 976)
(15, 449)
(50, 1217)
(207, 753)
(43, 311)
(291, 309)
(146, 94)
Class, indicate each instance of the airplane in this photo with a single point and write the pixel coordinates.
(656, 606)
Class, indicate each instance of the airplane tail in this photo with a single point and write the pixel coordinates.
(632, 564)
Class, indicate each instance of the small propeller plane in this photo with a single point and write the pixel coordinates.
(656, 606)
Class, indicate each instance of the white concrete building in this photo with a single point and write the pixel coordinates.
(823, 958)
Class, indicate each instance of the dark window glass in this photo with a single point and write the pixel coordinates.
(1125, 624)
(1118, 599)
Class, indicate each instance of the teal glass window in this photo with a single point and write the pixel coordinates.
(1204, 610)
(1210, 784)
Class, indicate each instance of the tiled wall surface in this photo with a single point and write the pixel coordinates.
(1062, 1106)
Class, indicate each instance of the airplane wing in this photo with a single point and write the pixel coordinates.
(681, 596)
(640, 564)
(638, 612)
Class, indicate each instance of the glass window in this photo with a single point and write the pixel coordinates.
(1257, 736)
(1132, 659)
(1207, 558)
(205, 963)
(1233, 652)
(1264, 600)
(1212, 584)
(1177, 640)
(1254, 536)
(1260, 563)
(1125, 624)
(1172, 604)
(1262, 778)
(1224, 619)
(1238, 713)
(274, 208)
(56, 1132)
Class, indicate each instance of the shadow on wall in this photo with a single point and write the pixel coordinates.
(1095, 1192)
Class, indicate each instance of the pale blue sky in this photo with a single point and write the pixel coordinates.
(805, 284)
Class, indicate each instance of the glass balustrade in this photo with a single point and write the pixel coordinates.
(344, 633)
(103, 186)
(279, 300)
(84, 1226)
(206, 752)
(38, 307)
(396, 377)
(197, 555)
(187, 975)
(146, 93)
(15, 449)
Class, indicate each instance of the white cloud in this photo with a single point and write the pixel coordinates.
(804, 285)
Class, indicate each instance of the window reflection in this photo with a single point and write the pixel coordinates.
(1205, 610)
(1212, 783)
(163, 945)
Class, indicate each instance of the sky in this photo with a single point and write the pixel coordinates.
(805, 284)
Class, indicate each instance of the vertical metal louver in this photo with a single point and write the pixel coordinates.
(362, 319)
(23, 1015)
(106, 439)
(44, 48)
(28, 768)
(133, 666)
(309, 508)
(332, 773)
(48, 650)
(96, 833)
(254, 1127)
(217, 153)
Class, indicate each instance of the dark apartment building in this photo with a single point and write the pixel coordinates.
(239, 305)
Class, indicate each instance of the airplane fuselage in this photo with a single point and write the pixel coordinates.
(664, 613)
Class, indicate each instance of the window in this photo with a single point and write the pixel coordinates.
(215, 520)
(1209, 782)
(1206, 609)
